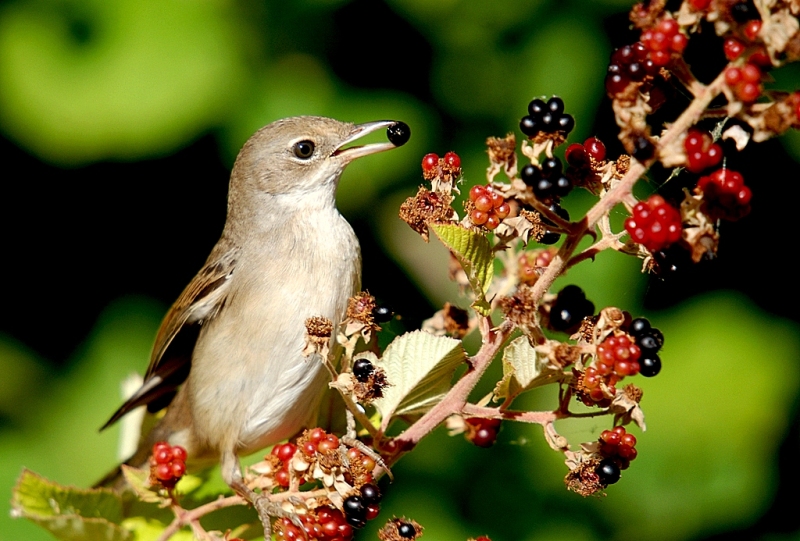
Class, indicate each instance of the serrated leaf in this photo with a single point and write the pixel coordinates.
(419, 367)
(69, 513)
(138, 480)
(523, 369)
(475, 256)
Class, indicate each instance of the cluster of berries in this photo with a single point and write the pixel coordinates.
(546, 117)
(433, 166)
(547, 181)
(701, 151)
(482, 432)
(663, 41)
(617, 355)
(531, 262)
(618, 448)
(649, 340)
(168, 463)
(325, 524)
(569, 309)
(577, 155)
(725, 195)
(489, 207)
(655, 224)
(628, 64)
(745, 81)
(364, 506)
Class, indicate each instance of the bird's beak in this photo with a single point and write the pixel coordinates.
(359, 131)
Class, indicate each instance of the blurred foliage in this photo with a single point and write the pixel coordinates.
(83, 81)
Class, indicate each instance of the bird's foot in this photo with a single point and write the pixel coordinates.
(369, 451)
(268, 509)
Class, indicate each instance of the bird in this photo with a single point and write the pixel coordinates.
(227, 361)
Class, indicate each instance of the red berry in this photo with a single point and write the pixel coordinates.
(752, 28)
(492, 221)
(478, 217)
(178, 469)
(679, 43)
(373, 510)
(576, 154)
(451, 160)
(163, 455)
(282, 477)
(316, 435)
(284, 452)
(595, 148)
(163, 472)
(429, 162)
(476, 191)
(629, 439)
(179, 453)
(732, 76)
(751, 73)
(733, 48)
(700, 5)
(748, 92)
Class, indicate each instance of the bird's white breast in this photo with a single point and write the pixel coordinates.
(255, 357)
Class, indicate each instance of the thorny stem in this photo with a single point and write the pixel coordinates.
(703, 97)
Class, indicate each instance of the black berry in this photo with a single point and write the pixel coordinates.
(382, 314)
(546, 117)
(550, 237)
(569, 309)
(551, 166)
(398, 133)
(354, 508)
(643, 148)
(608, 472)
(530, 174)
(362, 369)
(639, 326)
(648, 342)
(406, 530)
(649, 365)
(370, 494)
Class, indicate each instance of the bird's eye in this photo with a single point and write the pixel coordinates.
(304, 149)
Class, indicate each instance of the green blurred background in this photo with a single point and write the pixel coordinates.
(119, 122)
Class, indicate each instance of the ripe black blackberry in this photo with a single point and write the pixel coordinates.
(362, 369)
(608, 471)
(546, 117)
(551, 237)
(569, 309)
(548, 182)
(355, 511)
(649, 339)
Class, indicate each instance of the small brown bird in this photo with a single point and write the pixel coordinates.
(227, 360)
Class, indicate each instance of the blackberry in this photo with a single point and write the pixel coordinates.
(648, 342)
(398, 133)
(671, 261)
(639, 326)
(382, 314)
(569, 309)
(362, 369)
(649, 364)
(355, 511)
(608, 472)
(548, 183)
(550, 237)
(546, 117)
(407, 530)
(370, 494)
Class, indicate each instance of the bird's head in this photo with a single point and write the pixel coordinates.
(305, 155)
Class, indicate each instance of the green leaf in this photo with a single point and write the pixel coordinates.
(523, 369)
(69, 513)
(138, 481)
(419, 367)
(475, 256)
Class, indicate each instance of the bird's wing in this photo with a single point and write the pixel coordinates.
(171, 359)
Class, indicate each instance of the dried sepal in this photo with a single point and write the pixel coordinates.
(582, 477)
(427, 207)
(502, 156)
(450, 320)
(520, 309)
(625, 406)
(700, 233)
(391, 530)
(318, 336)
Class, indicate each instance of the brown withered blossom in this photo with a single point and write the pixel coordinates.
(425, 208)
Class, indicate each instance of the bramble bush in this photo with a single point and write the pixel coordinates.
(509, 240)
